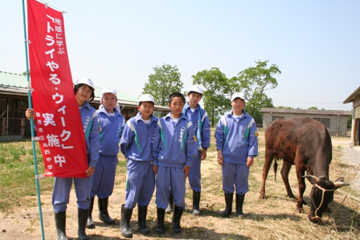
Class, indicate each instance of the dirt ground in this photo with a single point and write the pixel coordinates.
(23, 222)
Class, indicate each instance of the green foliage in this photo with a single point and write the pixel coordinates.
(217, 88)
(254, 81)
(313, 108)
(163, 82)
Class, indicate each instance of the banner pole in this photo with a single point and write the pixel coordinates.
(32, 126)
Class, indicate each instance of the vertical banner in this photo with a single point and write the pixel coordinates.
(57, 116)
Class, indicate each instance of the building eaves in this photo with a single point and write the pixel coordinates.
(305, 111)
(352, 96)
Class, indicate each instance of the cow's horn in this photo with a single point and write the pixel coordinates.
(312, 176)
(340, 184)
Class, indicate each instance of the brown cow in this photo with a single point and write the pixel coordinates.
(305, 143)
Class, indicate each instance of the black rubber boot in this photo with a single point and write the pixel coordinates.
(196, 203)
(160, 228)
(82, 218)
(103, 211)
(176, 219)
(239, 205)
(89, 222)
(170, 207)
(60, 223)
(228, 209)
(125, 221)
(142, 219)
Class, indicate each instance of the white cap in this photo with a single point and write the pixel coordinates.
(85, 80)
(146, 98)
(107, 90)
(196, 88)
(238, 95)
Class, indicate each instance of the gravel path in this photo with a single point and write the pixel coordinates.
(351, 156)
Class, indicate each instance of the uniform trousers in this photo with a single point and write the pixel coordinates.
(140, 183)
(175, 178)
(104, 177)
(235, 174)
(195, 174)
(61, 193)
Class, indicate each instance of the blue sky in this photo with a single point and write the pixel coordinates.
(316, 44)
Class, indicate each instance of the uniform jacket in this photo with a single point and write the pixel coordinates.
(204, 139)
(110, 131)
(174, 144)
(237, 138)
(90, 124)
(137, 138)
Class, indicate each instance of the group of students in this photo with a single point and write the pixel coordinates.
(160, 152)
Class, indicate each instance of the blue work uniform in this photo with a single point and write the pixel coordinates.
(136, 145)
(62, 186)
(237, 138)
(174, 147)
(200, 121)
(110, 127)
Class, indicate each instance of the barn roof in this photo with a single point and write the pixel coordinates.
(352, 96)
(305, 111)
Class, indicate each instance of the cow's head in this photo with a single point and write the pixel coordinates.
(321, 195)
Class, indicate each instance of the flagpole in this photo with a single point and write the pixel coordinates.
(32, 126)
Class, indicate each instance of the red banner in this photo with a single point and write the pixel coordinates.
(57, 116)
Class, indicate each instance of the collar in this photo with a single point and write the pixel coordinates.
(86, 104)
(139, 118)
(168, 116)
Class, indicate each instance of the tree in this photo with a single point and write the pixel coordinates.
(313, 108)
(217, 89)
(254, 81)
(163, 82)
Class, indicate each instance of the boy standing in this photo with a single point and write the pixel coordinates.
(200, 120)
(136, 145)
(237, 145)
(174, 152)
(111, 124)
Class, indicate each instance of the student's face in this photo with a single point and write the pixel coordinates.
(238, 105)
(83, 93)
(194, 99)
(109, 102)
(146, 109)
(176, 106)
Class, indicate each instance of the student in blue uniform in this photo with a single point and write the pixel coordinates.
(237, 146)
(200, 120)
(136, 145)
(175, 148)
(111, 123)
(84, 93)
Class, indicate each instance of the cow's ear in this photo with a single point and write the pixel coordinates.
(339, 184)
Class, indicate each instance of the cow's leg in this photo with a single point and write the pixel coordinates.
(285, 176)
(268, 160)
(300, 170)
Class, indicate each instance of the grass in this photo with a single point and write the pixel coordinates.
(271, 218)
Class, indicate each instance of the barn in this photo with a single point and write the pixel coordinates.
(355, 126)
(334, 120)
(14, 101)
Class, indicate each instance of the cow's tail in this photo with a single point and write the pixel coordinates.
(275, 167)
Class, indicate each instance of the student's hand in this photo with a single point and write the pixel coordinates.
(29, 113)
(155, 169)
(90, 171)
(249, 161)
(220, 158)
(186, 170)
(203, 154)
